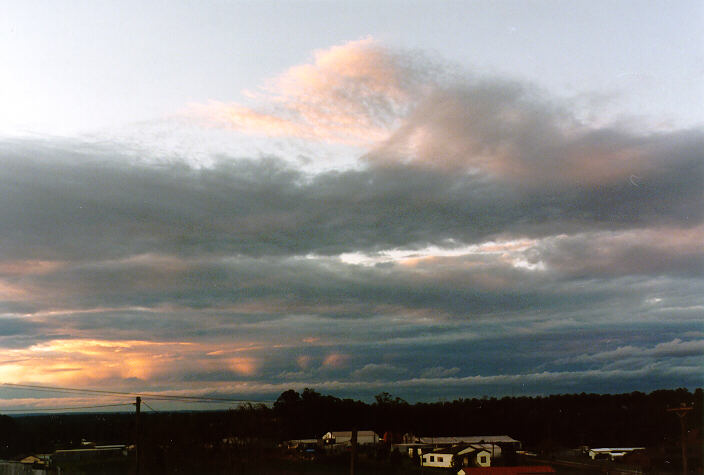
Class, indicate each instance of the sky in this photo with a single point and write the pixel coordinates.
(431, 199)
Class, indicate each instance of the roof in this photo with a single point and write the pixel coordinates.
(87, 450)
(348, 434)
(470, 439)
(617, 449)
(459, 448)
(519, 470)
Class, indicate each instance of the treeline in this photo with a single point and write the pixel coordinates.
(634, 419)
(554, 421)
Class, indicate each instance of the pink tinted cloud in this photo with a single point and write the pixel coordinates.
(29, 267)
(351, 94)
(335, 360)
(510, 131)
(410, 110)
(304, 361)
(656, 250)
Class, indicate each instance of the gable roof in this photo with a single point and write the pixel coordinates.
(470, 439)
(518, 470)
(459, 449)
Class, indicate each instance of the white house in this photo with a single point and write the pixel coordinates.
(492, 443)
(364, 437)
(469, 455)
(611, 453)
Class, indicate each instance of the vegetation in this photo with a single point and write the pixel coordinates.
(560, 420)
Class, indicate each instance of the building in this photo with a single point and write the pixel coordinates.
(465, 455)
(495, 444)
(611, 453)
(364, 437)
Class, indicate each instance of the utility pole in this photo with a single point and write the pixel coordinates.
(353, 452)
(682, 413)
(137, 404)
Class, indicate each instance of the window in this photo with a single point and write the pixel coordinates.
(439, 459)
(482, 459)
(432, 459)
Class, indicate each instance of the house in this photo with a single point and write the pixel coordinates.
(413, 449)
(611, 453)
(532, 470)
(466, 454)
(364, 437)
(495, 444)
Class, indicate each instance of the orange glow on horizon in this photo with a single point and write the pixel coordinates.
(71, 362)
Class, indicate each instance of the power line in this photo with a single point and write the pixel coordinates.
(35, 409)
(150, 407)
(166, 397)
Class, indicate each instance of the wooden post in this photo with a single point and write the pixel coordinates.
(681, 413)
(137, 405)
(353, 452)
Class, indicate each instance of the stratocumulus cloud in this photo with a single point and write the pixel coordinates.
(483, 241)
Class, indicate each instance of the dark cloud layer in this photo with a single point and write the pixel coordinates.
(83, 204)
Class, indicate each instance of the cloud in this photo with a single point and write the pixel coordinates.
(674, 348)
(374, 371)
(656, 250)
(408, 108)
(335, 360)
(351, 93)
(513, 133)
(439, 372)
(58, 202)
(75, 361)
(482, 221)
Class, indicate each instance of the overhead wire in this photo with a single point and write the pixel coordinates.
(165, 397)
(150, 407)
(36, 409)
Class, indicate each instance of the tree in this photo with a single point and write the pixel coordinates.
(456, 463)
(287, 399)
